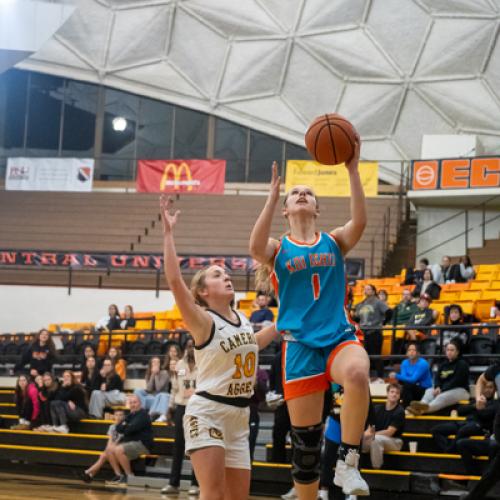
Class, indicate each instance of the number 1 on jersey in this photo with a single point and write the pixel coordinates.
(315, 285)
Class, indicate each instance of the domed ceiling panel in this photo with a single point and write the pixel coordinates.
(398, 69)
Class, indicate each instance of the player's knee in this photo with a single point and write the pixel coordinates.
(306, 453)
(357, 374)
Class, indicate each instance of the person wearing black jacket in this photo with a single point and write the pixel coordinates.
(491, 475)
(69, 405)
(427, 286)
(46, 395)
(479, 422)
(451, 383)
(40, 355)
(91, 378)
(110, 390)
(137, 440)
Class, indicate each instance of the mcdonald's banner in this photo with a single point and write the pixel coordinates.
(181, 176)
(330, 180)
(455, 173)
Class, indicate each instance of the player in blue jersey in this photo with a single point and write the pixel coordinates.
(320, 344)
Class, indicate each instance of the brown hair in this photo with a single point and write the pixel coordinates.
(197, 284)
(394, 386)
(49, 343)
(150, 364)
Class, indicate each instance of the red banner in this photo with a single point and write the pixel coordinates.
(181, 176)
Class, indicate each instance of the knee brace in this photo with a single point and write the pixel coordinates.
(306, 453)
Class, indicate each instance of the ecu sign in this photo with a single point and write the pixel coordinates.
(457, 173)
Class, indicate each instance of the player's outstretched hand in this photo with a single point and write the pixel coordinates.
(352, 164)
(168, 218)
(274, 188)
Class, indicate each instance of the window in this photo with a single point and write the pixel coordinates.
(154, 132)
(263, 151)
(191, 130)
(44, 114)
(80, 107)
(294, 152)
(231, 145)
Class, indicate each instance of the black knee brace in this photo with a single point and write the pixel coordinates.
(306, 453)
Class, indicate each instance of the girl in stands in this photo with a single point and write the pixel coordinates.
(46, 395)
(216, 419)
(40, 355)
(90, 378)
(27, 403)
(111, 321)
(115, 355)
(128, 320)
(320, 343)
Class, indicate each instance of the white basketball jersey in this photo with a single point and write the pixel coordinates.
(227, 362)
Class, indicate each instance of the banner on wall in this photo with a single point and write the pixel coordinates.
(330, 180)
(90, 260)
(181, 176)
(49, 174)
(456, 173)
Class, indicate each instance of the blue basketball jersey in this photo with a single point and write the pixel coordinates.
(310, 285)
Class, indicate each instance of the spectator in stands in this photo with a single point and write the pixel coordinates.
(27, 403)
(137, 440)
(120, 365)
(173, 354)
(446, 272)
(111, 321)
(495, 310)
(259, 395)
(46, 395)
(90, 378)
(451, 383)
(110, 390)
(455, 321)
(39, 382)
(414, 375)
(371, 314)
(113, 438)
(263, 315)
(423, 316)
(415, 276)
(156, 395)
(88, 352)
(479, 422)
(275, 400)
(490, 476)
(385, 434)
(427, 286)
(402, 312)
(183, 387)
(492, 374)
(40, 355)
(467, 272)
(128, 320)
(382, 295)
(69, 405)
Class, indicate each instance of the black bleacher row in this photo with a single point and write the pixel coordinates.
(405, 475)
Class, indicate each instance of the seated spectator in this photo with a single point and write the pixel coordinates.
(402, 312)
(414, 276)
(137, 440)
(478, 422)
(467, 272)
(128, 320)
(455, 320)
(156, 395)
(88, 352)
(111, 321)
(113, 439)
(39, 382)
(371, 315)
(46, 395)
(27, 403)
(423, 316)
(446, 272)
(385, 434)
(90, 378)
(69, 405)
(120, 365)
(495, 310)
(263, 314)
(492, 374)
(451, 383)
(414, 375)
(382, 296)
(173, 354)
(40, 355)
(110, 390)
(427, 286)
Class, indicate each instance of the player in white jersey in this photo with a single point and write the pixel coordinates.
(216, 423)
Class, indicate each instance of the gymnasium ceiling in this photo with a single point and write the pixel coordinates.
(397, 69)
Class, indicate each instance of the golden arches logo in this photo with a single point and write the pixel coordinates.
(173, 177)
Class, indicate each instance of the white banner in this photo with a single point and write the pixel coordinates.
(49, 174)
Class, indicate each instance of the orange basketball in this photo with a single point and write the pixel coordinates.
(330, 139)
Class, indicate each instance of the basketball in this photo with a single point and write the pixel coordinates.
(330, 139)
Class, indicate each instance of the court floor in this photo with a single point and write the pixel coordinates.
(20, 486)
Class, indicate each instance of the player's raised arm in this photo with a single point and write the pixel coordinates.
(197, 320)
(349, 234)
(262, 247)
